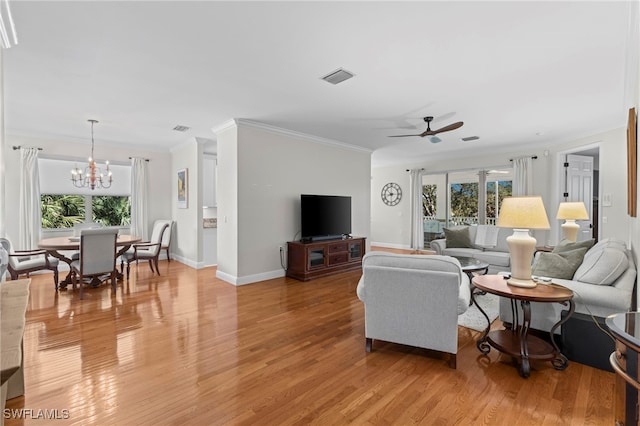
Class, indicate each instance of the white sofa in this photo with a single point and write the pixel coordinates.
(595, 297)
(496, 256)
(413, 300)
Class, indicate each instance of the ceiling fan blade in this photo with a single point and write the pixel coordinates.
(401, 136)
(449, 127)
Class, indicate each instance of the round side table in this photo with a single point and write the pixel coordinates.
(516, 341)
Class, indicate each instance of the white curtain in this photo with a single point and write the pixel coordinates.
(522, 176)
(139, 222)
(415, 191)
(30, 214)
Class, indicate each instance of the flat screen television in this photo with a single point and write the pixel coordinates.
(325, 217)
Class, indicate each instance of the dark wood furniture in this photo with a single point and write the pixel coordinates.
(309, 260)
(626, 329)
(516, 341)
(55, 246)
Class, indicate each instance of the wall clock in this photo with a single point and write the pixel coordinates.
(391, 194)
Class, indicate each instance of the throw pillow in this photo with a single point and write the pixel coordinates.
(558, 265)
(602, 266)
(458, 237)
(566, 245)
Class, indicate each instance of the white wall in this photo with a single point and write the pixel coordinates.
(187, 238)
(273, 167)
(159, 177)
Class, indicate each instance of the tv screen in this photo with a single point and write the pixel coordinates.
(325, 216)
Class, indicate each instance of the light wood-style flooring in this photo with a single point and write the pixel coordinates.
(185, 348)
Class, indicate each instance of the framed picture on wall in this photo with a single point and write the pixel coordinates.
(632, 170)
(183, 188)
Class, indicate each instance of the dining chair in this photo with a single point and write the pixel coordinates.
(148, 250)
(27, 261)
(166, 237)
(97, 258)
(77, 228)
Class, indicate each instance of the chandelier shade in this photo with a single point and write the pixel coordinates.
(92, 176)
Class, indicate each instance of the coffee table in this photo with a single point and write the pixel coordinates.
(516, 341)
(470, 265)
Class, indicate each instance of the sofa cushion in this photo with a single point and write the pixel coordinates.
(602, 265)
(566, 245)
(465, 252)
(558, 265)
(496, 258)
(457, 237)
(502, 245)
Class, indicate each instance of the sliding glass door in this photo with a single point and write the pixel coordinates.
(454, 198)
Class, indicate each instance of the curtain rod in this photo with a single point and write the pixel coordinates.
(19, 146)
(533, 157)
(145, 159)
(408, 170)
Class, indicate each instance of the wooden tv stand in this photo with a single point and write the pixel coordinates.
(309, 260)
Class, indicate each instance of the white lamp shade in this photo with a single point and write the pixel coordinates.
(572, 210)
(523, 213)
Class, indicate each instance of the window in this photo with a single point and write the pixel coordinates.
(63, 205)
(64, 211)
(455, 198)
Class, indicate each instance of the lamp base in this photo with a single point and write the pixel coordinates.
(516, 282)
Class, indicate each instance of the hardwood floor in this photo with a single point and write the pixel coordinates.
(187, 348)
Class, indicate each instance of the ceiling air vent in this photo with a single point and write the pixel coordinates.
(180, 128)
(338, 76)
(471, 138)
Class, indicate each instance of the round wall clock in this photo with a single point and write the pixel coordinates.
(391, 194)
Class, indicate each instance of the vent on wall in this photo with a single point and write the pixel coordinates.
(180, 128)
(338, 76)
(471, 138)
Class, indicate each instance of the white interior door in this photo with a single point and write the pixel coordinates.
(580, 188)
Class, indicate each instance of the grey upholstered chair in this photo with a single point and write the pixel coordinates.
(97, 257)
(27, 261)
(77, 229)
(413, 300)
(149, 250)
(166, 237)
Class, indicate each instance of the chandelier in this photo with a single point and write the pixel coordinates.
(92, 175)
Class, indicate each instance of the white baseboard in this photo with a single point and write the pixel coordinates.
(249, 279)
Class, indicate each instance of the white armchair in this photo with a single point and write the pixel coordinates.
(413, 300)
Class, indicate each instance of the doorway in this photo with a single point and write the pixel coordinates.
(579, 181)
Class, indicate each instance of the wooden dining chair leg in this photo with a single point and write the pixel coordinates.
(168, 257)
(55, 278)
(156, 263)
(81, 287)
(128, 267)
(151, 265)
(113, 282)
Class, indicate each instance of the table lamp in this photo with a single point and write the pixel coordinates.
(570, 212)
(522, 214)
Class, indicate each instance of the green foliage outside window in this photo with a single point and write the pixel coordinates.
(63, 211)
(111, 211)
(429, 200)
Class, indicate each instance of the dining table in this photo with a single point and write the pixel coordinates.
(57, 245)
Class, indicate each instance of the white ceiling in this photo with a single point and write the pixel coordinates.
(509, 70)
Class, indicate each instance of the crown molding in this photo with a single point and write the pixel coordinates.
(243, 122)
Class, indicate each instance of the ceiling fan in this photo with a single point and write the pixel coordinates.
(433, 133)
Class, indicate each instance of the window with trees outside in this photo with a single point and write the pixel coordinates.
(454, 198)
(63, 205)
